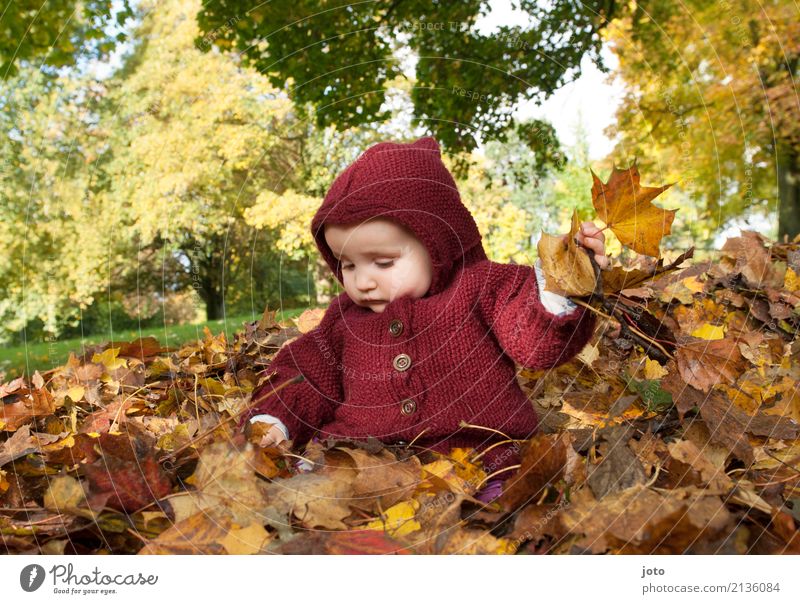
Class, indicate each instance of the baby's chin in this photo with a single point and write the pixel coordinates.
(376, 307)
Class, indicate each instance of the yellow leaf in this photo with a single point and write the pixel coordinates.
(109, 359)
(309, 319)
(466, 469)
(653, 370)
(791, 280)
(64, 492)
(245, 541)
(709, 332)
(398, 520)
(693, 284)
(76, 393)
(69, 441)
(626, 208)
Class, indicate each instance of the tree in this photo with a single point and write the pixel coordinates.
(59, 32)
(55, 258)
(340, 57)
(711, 103)
(196, 139)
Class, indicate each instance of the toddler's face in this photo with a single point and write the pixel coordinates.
(381, 261)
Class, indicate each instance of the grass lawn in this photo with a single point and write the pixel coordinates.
(31, 356)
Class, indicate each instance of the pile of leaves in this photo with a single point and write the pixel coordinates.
(675, 430)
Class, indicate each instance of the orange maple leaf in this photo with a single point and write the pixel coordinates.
(625, 207)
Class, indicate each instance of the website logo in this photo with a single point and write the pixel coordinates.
(31, 577)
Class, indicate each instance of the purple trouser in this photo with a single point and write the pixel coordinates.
(491, 490)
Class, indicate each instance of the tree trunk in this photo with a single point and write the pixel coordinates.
(788, 192)
(215, 305)
(207, 272)
(324, 282)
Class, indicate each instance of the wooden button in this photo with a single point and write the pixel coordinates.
(408, 406)
(402, 362)
(396, 327)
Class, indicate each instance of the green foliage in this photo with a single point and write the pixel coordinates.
(55, 258)
(547, 197)
(711, 100)
(138, 183)
(58, 32)
(339, 57)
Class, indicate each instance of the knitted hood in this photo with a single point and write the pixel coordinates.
(407, 183)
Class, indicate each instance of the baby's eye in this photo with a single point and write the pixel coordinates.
(346, 267)
(385, 264)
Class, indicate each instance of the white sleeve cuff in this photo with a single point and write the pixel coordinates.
(271, 419)
(557, 305)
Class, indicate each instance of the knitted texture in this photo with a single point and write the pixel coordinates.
(462, 339)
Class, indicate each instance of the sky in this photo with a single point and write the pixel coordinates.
(590, 96)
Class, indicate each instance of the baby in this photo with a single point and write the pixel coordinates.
(425, 336)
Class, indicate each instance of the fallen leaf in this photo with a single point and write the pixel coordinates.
(398, 520)
(704, 363)
(546, 459)
(713, 477)
(640, 521)
(245, 541)
(64, 493)
(198, 534)
(317, 500)
(709, 332)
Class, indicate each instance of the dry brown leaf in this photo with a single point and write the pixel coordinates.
(382, 480)
(198, 534)
(566, 266)
(316, 499)
(704, 363)
(546, 459)
(752, 260)
(640, 521)
(713, 477)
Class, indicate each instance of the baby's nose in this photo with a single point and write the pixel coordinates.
(364, 281)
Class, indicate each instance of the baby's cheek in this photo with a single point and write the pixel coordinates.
(396, 280)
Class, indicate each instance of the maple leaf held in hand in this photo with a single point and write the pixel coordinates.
(626, 208)
(567, 269)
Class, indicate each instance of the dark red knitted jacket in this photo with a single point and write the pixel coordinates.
(463, 337)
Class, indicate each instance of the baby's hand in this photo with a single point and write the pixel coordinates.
(592, 238)
(264, 434)
(273, 437)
